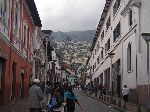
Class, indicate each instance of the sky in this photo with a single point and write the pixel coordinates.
(70, 15)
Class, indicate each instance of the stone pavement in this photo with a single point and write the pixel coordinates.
(19, 105)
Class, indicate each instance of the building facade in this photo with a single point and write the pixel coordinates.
(18, 21)
(118, 52)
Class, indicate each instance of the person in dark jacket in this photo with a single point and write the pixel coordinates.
(71, 99)
(35, 96)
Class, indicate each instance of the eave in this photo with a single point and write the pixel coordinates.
(101, 22)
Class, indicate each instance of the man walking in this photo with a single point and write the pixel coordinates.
(35, 96)
(125, 93)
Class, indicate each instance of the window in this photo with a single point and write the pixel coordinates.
(1, 72)
(116, 6)
(102, 36)
(3, 9)
(16, 18)
(93, 55)
(107, 76)
(107, 46)
(97, 47)
(26, 35)
(95, 65)
(129, 57)
(102, 53)
(93, 68)
(98, 60)
(2, 62)
(130, 18)
(116, 32)
(28, 38)
(108, 23)
(24, 41)
(101, 78)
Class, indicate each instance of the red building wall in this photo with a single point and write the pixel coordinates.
(15, 56)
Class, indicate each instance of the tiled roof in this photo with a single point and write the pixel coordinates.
(101, 22)
(34, 12)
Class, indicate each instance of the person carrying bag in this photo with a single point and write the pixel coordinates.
(71, 99)
(56, 103)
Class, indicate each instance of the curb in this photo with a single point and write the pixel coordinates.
(115, 107)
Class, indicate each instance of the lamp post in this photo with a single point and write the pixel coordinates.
(111, 79)
(45, 65)
(53, 72)
(146, 37)
(111, 85)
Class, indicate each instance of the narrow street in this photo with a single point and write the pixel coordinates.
(91, 105)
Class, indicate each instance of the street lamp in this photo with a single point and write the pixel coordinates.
(45, 65)
(146, 37)
(111, 84)
(90, 67)
(111, 77)
(53, 71)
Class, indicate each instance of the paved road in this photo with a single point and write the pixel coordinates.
(91, 105)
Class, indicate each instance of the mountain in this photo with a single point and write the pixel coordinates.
(87, 35)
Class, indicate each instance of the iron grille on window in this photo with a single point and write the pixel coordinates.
(102, 36)
(107, 46)
(108, 23)
(116, 6)
(116, 32)
(130, 18)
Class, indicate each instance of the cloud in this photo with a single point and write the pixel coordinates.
(70, 15)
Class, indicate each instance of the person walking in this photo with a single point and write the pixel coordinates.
(125, 93)
(35, 96)
(56, 103)
(100, 88)
(71, 99)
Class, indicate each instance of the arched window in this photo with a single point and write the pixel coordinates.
(129, 57)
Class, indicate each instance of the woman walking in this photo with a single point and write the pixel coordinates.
(35, 97)
(71, 99)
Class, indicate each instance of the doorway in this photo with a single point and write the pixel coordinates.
(13, 88)
(22, 83)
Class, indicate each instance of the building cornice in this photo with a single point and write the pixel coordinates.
(101, 22)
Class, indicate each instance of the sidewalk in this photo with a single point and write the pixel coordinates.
(19, 105)
(118, 104)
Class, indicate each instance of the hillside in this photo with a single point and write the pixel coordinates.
(74, 35)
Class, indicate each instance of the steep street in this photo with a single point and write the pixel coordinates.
(91, 105)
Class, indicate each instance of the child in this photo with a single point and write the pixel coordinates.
(56, 102)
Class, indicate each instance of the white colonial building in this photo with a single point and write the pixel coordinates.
(119, 52)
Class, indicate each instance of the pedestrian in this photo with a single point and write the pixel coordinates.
(125, 93)
(42, 86)
(66, 85)
(48, 90)
(59, 87)
(71, 99)
(100, 88)
(35, 96)
(105, 89)
(56, 103)
(95, 90)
